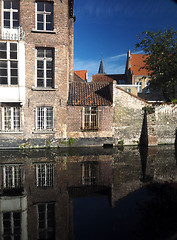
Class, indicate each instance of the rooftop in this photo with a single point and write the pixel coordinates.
(90, 94)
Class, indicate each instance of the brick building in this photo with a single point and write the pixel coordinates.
(36, 66)
(90, 113)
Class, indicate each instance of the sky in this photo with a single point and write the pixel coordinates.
(106, 29)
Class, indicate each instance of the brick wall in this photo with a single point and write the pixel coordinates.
(61, 39)
(74, 123)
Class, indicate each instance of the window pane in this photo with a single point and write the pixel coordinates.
(14, 72)
(15, 5)
(49, 65)
(40, 26)
(49, 53)
(40, 18)
(49, 7)
(15, 16)
(7, 16)
(40, 64)
(40, 73)
(7, 4)
(40, 52)
(14, 64)
(3, 55)
(40, 6)
(3, 80)
(49, 26)
(3, 64)
(49, 74)
(13, 55)
(14, 80)
(40, 82)
(3, 72)
(49, 18)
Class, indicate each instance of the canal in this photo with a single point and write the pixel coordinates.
(89, 194)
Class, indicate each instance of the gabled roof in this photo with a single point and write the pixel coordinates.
(109, 78)
(82, 74)
(137, 63)
(90, 94)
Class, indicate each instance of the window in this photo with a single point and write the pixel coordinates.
(12, 225)
(44, 175)
(8, 63)
(44, 16)
(139, 89)
(46, 221)
(147, 87)
(11, 118)
(11, 16)
(90, 118)
(44, 118)
(128, 90)
(45, 64)
(88, 173)
(12, 176)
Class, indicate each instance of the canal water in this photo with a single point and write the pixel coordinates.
(89, 194)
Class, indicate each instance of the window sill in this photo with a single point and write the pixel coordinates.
(44, 132)
(43, 31)
(11, 132)
(43, 89)
(90, 130)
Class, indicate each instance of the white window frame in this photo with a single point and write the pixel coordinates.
(11, 11)
(46, 217)
(43, 125)
(44, 174)
(90, 119)
(44, 13)
(12, 176)
(45, 59)
(88, 173)
(139, 89)
(11, 118)
(9, 60)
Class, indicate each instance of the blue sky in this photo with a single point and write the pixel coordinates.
(108, 28)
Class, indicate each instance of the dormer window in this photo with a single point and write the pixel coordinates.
(11, 16)
(44, 16)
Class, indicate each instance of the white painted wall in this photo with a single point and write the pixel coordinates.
(16, 93)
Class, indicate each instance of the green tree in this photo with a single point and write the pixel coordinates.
(161, 60)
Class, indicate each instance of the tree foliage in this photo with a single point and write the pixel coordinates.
(161, 60)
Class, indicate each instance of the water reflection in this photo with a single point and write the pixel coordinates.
(88, 194)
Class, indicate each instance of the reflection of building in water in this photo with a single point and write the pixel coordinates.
(38, 188)
(46, 220)
(13, 203)
(88, 173)
(12, 176)
(44, 174)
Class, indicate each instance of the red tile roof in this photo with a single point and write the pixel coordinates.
(137, 62)
(90, 94)
(108, 77)
(82, 74)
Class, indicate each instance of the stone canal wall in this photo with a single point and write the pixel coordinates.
(137, 121)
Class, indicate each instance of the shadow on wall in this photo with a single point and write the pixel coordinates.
(144, 131)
